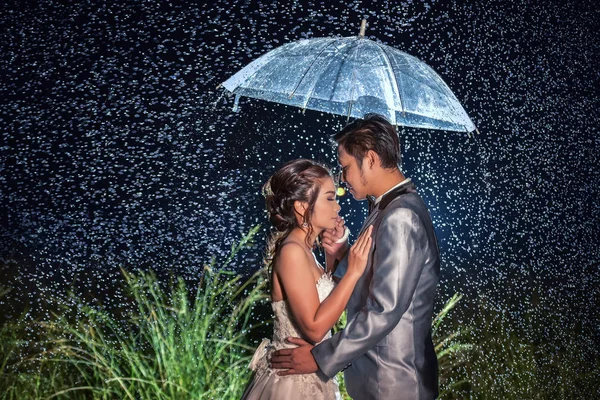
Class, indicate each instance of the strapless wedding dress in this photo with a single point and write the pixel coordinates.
(266, 384)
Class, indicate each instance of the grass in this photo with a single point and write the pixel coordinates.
(170, 348)
(173, 345)
(177, 343)
(491, 357)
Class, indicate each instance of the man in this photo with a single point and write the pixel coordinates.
(386, 349)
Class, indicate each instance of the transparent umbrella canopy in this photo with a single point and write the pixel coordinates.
(352, 76)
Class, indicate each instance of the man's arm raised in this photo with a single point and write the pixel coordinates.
(334, 249)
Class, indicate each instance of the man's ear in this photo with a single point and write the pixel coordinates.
(372, 158)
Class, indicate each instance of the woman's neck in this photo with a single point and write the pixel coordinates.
(302, 235)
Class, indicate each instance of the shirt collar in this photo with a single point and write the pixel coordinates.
(404, 182)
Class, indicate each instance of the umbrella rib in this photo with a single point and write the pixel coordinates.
(310, 66)
(271, 57)
(353, 81)
(312, 89)
(337, 76)
(441, 90)
(387, 57)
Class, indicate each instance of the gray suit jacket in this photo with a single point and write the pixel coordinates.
(386, 348)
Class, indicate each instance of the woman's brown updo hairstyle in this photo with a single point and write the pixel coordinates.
(296, 180)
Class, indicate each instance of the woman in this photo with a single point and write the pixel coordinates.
(301, 203)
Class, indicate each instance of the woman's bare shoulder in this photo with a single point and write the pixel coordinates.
(291, 254)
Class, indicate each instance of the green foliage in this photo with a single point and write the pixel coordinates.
(490, 357)
(450, 350)
(4, 291)
(173, 345)
(340, 376)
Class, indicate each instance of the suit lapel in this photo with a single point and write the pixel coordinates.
(397, 192)
(369, 219)
(385, 200)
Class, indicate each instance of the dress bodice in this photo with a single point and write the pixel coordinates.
(266, 383)
(284, 324)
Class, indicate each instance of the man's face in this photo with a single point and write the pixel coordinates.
(352, 175)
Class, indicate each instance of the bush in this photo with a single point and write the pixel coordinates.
(173, 345)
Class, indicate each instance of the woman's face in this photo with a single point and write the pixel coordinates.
(326, 209)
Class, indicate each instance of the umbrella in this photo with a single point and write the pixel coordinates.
(352, 76)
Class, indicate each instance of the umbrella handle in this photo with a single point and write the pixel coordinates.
(363, 27)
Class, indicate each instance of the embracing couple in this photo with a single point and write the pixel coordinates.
(386, 280)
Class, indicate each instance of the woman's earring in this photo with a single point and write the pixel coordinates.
(305, 225)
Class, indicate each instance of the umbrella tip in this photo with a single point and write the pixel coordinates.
(363, 27)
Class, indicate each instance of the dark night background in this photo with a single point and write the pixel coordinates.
(117, 149)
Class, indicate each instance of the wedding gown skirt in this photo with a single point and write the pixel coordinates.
(266, 384)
